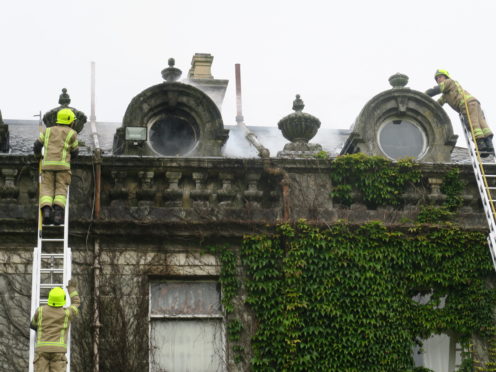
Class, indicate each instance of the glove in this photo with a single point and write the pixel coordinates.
(72, 283)
(37, 146)
(433, 91)
(74, 154)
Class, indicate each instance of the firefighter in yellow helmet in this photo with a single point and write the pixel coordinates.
(51, 323)
(61, 145)
(456, 97)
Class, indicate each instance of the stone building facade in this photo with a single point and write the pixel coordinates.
(140, 254)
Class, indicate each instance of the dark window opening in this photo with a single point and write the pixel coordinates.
(172, 136)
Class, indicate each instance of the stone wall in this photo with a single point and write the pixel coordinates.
(209, 192)
(157, 216)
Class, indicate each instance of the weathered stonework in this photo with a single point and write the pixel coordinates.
(395, 106)
(200, 76)
(4, 135)
(180, 120)
(299, 128)
(157, 214)
(50, 118)
(203, 191)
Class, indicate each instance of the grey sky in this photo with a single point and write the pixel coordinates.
(336, 54)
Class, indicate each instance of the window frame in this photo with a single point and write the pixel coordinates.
(391, 120)
(221, 317)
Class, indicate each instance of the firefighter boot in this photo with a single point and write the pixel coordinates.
(482, 147)
(58, 215)
(489, 144)
(46, 213)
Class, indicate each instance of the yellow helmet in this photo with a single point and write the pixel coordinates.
(65, 116)
(441, 72)
(56, 297)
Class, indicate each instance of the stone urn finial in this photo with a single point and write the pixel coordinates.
(398, 80)
(64, 98)
(50, 117)
(4, 136)
(298, 104)
(299, 126)
(171, 73)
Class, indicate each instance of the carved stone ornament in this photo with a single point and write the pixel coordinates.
(299, 126)
(50, 118)
(4, 136)
(178, 119)
(171, 73)
(402, 123)
(398, 80)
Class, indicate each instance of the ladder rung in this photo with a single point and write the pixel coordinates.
(55, 255)
(50, 285)
(490, 175)
(52, 240)
(52, 270)
(52, 225)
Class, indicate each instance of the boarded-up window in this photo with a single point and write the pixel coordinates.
(186, 325)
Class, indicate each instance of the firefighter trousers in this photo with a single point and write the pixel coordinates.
(53, 187)
(478, 120)
(50, 362)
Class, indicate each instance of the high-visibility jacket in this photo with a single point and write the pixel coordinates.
(59, 141)
(52, 324)
(454, 95)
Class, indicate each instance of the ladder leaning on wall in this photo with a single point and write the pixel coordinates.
(52, 265)
(484, 180)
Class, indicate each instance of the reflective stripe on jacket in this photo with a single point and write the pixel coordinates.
(58, 141)
(52, 324)
(454, 95)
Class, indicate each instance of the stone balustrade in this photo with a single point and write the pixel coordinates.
(206, 190)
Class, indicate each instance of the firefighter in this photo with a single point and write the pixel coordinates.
(51, 323)
(61, 145)
(458, 98)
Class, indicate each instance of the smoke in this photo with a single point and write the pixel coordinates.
(237, 146)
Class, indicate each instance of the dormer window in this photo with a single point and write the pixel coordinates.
(401, 138)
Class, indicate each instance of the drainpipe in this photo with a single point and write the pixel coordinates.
(249, 135)
(96, 315)
(97, 159)
(263, 152)
(97, 152)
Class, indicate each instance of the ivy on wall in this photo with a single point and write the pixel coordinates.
(452, 188)
(342, 299)
(377, 180)
(230, 285)
(359, 298)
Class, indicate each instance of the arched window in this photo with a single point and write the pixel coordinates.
(171, 135)
(401, 138)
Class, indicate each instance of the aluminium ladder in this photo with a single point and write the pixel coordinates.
(52, 261)
(487, 192)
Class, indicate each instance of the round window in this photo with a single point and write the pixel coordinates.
(172, 136)
(401, 138)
